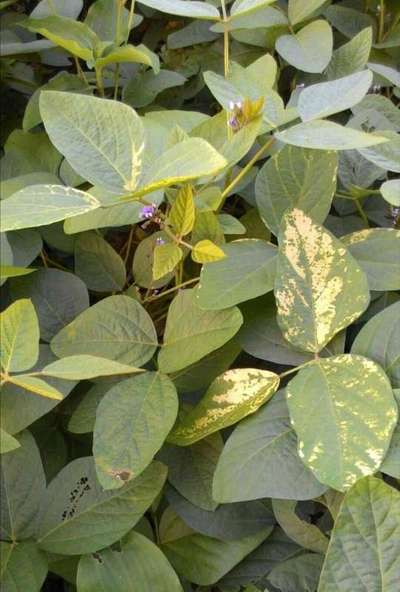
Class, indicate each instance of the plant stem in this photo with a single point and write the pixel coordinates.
(129, 244)
(246, 168)
(381, 30)
(226, 40)
(292, 370)
(361, 212)
(171, 290)
(130, 19)
(99, 81)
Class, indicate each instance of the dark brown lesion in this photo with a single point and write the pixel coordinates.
(82, 485)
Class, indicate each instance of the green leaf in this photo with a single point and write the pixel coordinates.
(198, 10)
(303, 533)
(191, 469)
(344, 413)
(247, 271)
(70, 8)
(386, 156)
(204, 560)
(74, 36)
(299, 10)
(370, 512)
(310, 49)
(228, 522)
(23, 567)
(40, 205)
(143, 424)
(241, 7)
(296, 177)
(83, 367)
(183, 162)
(352, 56)
(192, 333)
(36, 386)
(165, 259)
(19, 409)
(70, 510)
(379, 340)
(319, 288)
(140, 562)
(230, 224)
(144, 88)
(102, 17)
(260, 460)
(391, 192)
(391, 464)
(58, 297)
(117, 328)
(19, 337)
(129, 53)
(143, 262)
(326, 135)
(7, 442)
(297, 574)
(377, 250)
(326, 98)
(102, 140)
(182, 212)
(22, 486)
(232, 396)
(98, 264)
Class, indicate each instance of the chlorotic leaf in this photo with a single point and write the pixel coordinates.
(343, 411)
(319, 288)
(199, 10)
(232, 396)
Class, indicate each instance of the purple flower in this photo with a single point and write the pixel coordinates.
(160, 241)
(147, 212)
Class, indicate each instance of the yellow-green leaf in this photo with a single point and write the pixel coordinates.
(232, 396)
(319, 289)
(205, 251)
(182, 213)
(166, 257)
(74, 36)
(19, 336)
(37, 386)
